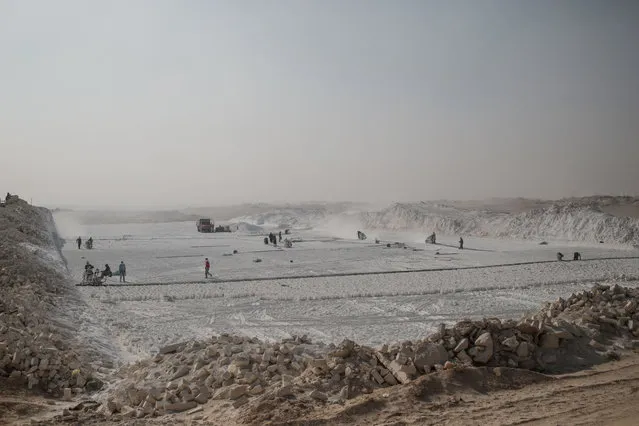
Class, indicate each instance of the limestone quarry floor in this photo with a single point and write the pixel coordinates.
(502, 278)
(371, 309)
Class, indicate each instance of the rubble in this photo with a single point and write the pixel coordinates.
(36, 349)
(241, 369)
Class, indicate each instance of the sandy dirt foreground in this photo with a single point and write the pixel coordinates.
(604, 395)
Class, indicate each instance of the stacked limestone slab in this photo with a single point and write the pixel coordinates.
(585, 329)
(38, 348)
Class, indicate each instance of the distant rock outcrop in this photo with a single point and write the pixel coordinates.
(577, 220)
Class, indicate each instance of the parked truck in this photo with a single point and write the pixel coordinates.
(204, 225)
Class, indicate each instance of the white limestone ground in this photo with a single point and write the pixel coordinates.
(370, 309)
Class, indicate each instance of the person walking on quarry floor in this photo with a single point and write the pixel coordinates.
(207, 267)
(122, 270)
(461, 243)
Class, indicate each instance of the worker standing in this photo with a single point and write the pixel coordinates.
(79, 241)
(207, 267)
(122, 270)
(461, 243)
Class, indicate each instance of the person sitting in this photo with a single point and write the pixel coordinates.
(106, 272)
(560, 256)
(88, 271)
(576, 256)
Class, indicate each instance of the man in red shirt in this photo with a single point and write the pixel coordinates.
(207, 267)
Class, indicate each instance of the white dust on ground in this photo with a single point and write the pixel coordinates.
(371, 309)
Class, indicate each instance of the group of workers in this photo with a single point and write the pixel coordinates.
(432, 239)
(90, 272)
(272, 238)
(575, 256)
(88, 243)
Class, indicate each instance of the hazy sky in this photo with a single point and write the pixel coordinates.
(214, 102)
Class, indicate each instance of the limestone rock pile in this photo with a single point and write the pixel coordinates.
(236, 369)
(604, 319)
(584, 329)
(605, 308)
(36, 348)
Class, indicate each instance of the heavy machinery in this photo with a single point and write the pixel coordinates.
(204, 225)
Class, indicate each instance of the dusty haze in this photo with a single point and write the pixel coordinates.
(158, 103)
